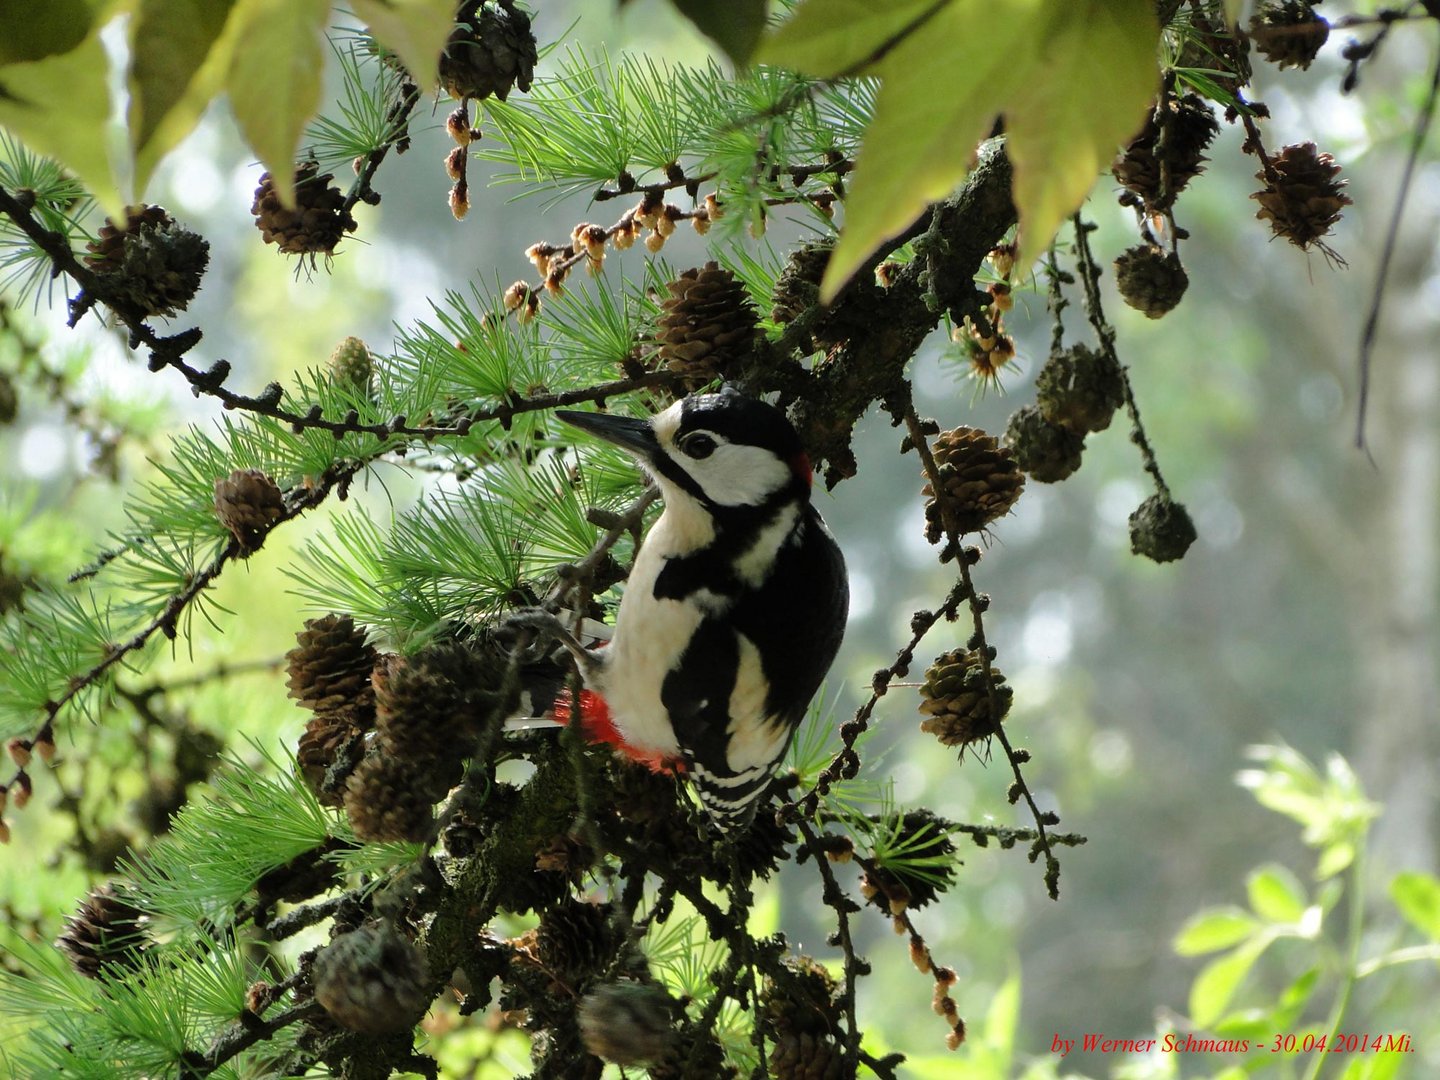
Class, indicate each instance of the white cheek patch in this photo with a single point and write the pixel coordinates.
(737, 475)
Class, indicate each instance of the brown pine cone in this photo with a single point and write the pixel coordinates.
(955, 701)
(317, 223)
(327, 737)
(248, 502)
(1047, 452)
(1302, 199)
(980, 482)
(802, 1002)
(431, 707)
(329, 668)
(389, 798)
(150, 262)
(372, 980)
(1079, 389)
(490, 51)
(1150, 280)
(1288, 33)
(574, 940)
(709, 324)
(1158, 163)
(106, 931)
(808, 1057)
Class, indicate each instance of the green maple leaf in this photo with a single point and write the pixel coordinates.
(177, 66)
(1072, 80)
(274, 79)
(415, 30)
(52, 104)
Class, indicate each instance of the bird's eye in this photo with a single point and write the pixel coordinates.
(698, 446)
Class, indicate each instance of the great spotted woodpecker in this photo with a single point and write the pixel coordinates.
(735, 606)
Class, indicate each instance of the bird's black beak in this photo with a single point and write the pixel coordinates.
(625, 432)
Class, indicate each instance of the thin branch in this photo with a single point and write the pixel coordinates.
(982, 648)
(1387, 253)
(854, 966)
(1105, 334)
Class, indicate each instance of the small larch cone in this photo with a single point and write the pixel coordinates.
(1168, 153)
(248, 503)
(708, 326)
(491, 50)
(955, 701)
(106, 931)
(979, 478)
(1150, 280)
(574, 939)
(329, 668)
(1302, 198)
(1289, 33)
(429, 707)
(797, 289)
(324, 739)
(150, 262)
(372, 980)
(806, 1056)
(1161, 529)
(351, 365)
(1080, 389)
(1047, 452)
(803, 1002)
(316, 223)
(389, 798)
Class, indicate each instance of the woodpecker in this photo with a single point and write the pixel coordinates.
(735, 606)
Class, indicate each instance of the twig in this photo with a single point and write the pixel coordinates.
(398, 121)
(1105, 334)
(854, 966)
(978, 604)
(1387, 253)
(301, 499)
(242, 1035)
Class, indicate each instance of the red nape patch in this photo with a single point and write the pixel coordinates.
(597, 725)
(800, 466)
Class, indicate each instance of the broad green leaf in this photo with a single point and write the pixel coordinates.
(734, 25)
(926, 126)
(35, 30)
(274, 80)
(59, 107)
(1233, 8)
(1417, 896)
(1072, 81)
(1275, 895)
(1095, 78)
(1215, 986)
(1002, 1019)
(1293, 999)
(415, 30)
(1334, 858)
(1213, 930)
(171, 82)
(827, 38)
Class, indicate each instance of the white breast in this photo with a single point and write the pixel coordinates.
(651, 635)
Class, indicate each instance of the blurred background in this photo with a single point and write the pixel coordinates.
(1305, 614)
